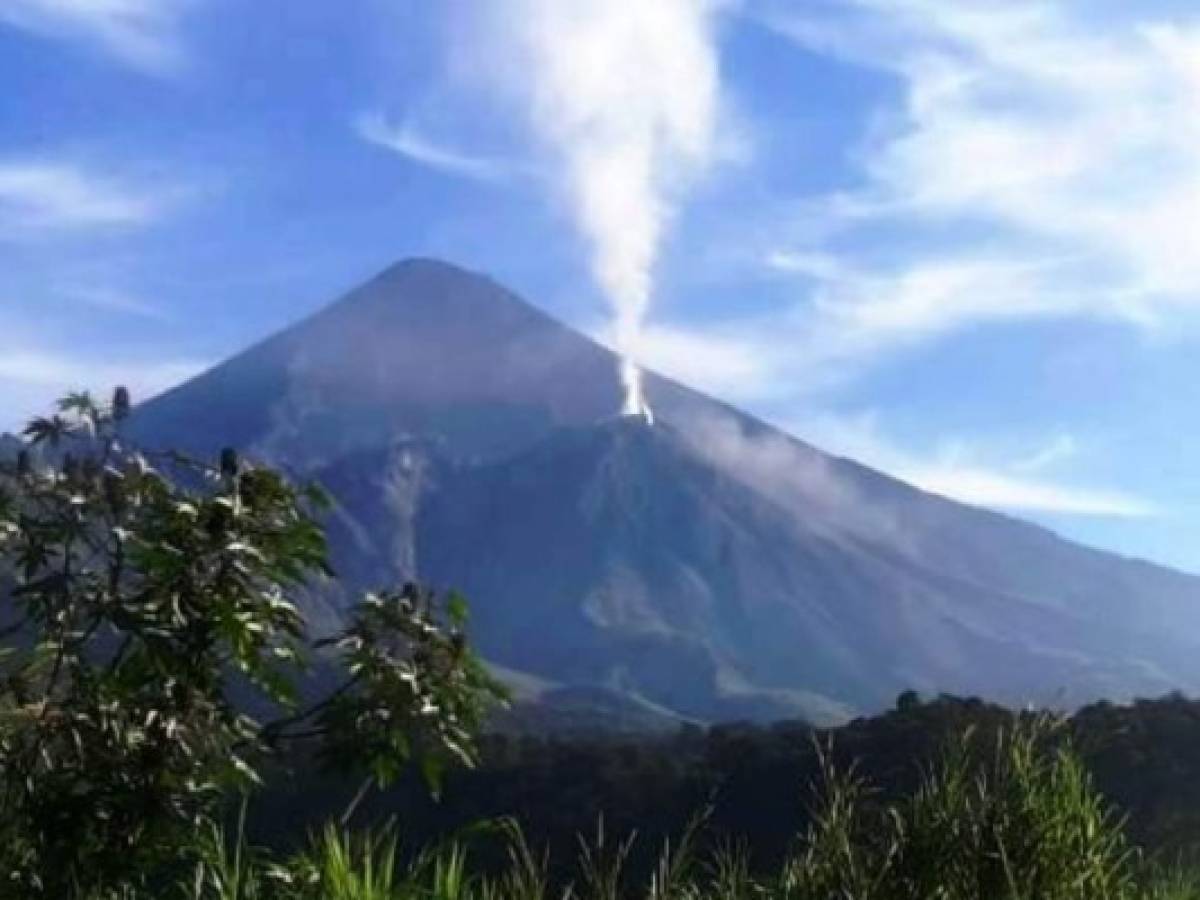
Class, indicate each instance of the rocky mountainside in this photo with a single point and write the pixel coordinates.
(707, 566)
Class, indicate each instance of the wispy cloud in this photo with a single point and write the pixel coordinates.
(1061, 448)
(770, 359)
(1042, 163)
(999, 490)
(142, 33)
(65, 372)
(38, 196)
(408, 141)
(966, 472)
(31, 379)
(735, 364)
(113, 300)
(1039, 162)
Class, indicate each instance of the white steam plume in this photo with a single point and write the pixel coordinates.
(625, 96)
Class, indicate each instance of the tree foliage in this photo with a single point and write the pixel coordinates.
(155, 653)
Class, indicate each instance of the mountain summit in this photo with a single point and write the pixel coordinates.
(425, 349)
(708, 566)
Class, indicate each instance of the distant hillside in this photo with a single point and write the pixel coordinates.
(707, 567)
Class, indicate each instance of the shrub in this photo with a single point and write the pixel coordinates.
(149, 602)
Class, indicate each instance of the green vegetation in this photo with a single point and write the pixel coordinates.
(156, 656)
(1017, 818)
(156, 672)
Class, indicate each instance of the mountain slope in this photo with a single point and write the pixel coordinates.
(422, 349)
(708, 565)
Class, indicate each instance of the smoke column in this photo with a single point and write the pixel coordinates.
(624, 96)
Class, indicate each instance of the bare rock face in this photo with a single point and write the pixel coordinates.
(705, 566)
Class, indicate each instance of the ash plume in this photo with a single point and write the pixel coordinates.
(624, 98)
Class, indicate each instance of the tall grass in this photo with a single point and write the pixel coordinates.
(1025, 823)
(1017, 820)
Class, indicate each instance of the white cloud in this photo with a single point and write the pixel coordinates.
(63, 372)
(1039, 163)
(31, 380)
(846, 317)
(848, 314)
(1024, 124)
(958, 470)
(37, 196)
(142, 33)
(1061, 448)
(727, 364)
(998, 490)
(824, 496)
(113, 300)
(410, 142)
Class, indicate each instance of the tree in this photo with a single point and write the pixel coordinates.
(148, 603)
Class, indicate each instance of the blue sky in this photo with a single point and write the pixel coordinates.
(956, 239)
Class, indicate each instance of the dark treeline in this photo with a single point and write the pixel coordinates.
(758, 781)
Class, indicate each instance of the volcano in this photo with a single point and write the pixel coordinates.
(706, 567)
